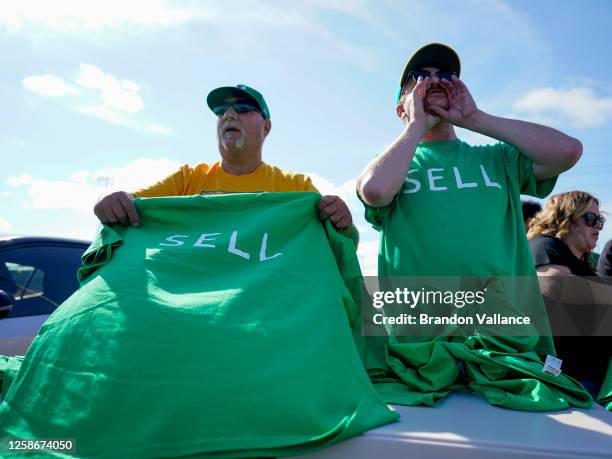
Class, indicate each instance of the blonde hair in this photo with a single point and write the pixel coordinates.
(559, 212)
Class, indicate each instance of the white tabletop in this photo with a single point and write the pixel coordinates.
(467, 426)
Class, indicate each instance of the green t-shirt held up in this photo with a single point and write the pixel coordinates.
(220, 327)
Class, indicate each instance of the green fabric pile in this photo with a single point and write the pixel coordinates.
(504, 370)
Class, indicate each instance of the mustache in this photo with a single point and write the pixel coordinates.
(230, 125)
(436, 88)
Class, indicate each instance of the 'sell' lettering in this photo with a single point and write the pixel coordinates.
(206, 239)
(413, 185)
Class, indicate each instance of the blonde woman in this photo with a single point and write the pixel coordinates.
(562, 237)
(567, 230)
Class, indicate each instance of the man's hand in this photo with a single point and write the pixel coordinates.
(336, 210)
(414, 106)
(117, 208)
(382, 179)
(551, 151)
(461, 105)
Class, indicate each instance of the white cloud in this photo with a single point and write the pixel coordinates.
(539, 118)
(75, 15)
(111, 116)
(368, 237)
(82, 189)
(61, 194)
(119, 99)
(137, 174)
(581, 106)
(368, 257)
(23, 179)
(5, 225)
(116, 94)
(117, 19)
(48, 85)
(346, 191)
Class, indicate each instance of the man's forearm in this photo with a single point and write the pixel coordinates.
(552, 151)
(383, 177)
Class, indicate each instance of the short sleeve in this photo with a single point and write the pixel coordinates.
(173, 185)
(376, 216)
(308, 185)
(100, 252)
(548, 251)
(520, 168)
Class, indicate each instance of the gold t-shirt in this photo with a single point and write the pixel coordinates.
(205, 179)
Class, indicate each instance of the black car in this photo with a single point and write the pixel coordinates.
(36, 275)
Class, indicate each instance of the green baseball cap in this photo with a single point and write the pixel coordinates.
(238, 93)
(436, 55)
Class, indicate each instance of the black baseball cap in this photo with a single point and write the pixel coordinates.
(436, 55)
(238, 93)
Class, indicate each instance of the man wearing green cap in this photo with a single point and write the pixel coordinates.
(243, 123)
(444, 207)
(450, 218)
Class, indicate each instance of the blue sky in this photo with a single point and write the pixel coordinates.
(110, 95)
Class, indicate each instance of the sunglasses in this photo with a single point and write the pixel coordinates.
(592, 219)
(415, 74)
(240, 108)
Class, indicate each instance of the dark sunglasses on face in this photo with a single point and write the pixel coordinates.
(592, 219)
(415, 74)
(240, 108)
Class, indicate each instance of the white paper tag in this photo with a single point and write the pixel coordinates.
(552, 365)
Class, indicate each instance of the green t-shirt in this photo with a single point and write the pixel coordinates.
(458, 216)
(458, 213)
(220, 327)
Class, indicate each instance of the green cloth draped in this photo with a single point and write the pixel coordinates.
(220, 327)
(504, 370)
(9, 367)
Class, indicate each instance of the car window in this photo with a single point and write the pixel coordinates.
(39, 278)
(28, 280)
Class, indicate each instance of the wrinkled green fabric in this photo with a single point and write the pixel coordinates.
(234, 344)
(100, 252)
(9, 367)
(605, 394)
(423, 370)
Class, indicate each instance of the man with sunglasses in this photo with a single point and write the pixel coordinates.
(443, 206)
(243, 123)
(446, 209)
